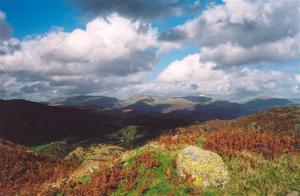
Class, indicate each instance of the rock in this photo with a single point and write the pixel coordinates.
(206, 168)
(100, 153)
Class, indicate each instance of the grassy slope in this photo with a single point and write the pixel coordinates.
(250, 173)
(259, 162)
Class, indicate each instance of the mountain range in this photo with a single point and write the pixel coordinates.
(189, 107)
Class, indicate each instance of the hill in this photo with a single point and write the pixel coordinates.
(25, 172)
(257, 149)
(261, 153)
(99, 101)
(81, 117)
(32, 123)
(277, 120)
(255, 105)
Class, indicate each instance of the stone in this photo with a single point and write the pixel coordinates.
(206, 168)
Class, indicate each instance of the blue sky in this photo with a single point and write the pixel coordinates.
(231, 49)
(35, 17)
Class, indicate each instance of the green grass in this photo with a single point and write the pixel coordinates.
(161, 184)
(126, 136)
(130, 133)
(200, 141)
(275, 177)
(157, 179)
(84, 179)
(250, 173)
(45, 147)
(58, 148)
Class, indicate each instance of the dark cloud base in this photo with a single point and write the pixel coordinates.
(137, 9)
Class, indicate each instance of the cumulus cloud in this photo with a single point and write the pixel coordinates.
(113, 55)
(7, 44)
(154, 9)
(108, 53)
(5, 28)
(172, 35)
(38, 86)
(237, 32)
(229, 54)
(115, 46)
(297, 77)
(254, 30)
(191, 76)
(190, 69)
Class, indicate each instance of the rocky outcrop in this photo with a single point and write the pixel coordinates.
(206, 168)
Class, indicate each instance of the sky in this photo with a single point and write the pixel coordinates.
(230, 49)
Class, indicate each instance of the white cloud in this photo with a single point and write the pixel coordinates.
(255, 31)
(112, 56)
(191, 76)
(108, 53)
(189, 68)
(237, 32)
(229, 54)
(237, 21)
(115, 46)
(137, 9)
(297, 77)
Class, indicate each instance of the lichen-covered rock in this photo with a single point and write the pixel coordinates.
(206, 168)
(99, 153)
(93, 158)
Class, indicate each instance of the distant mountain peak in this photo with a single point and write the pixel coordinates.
(200, 99)
(86, 100)
(193, 104)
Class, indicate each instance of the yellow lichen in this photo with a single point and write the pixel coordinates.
(198, 181)
(205, 167)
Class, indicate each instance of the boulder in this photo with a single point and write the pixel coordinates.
(101, 153)
(204, 167)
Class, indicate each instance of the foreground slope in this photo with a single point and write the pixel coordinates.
(25, 172)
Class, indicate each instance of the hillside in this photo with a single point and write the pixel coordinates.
(33, 123)
(261, 153)
(99, 101)
(278, 120)
(95, 117)
(24, 171)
